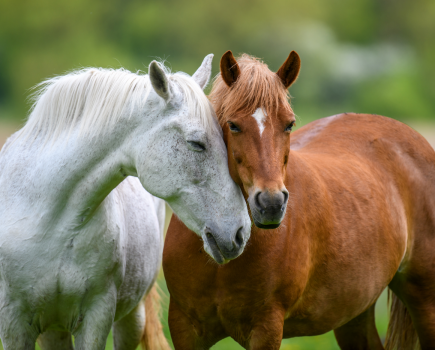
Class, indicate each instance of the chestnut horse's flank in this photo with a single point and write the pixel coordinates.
(354, 202)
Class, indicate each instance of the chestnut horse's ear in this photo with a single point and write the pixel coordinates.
(289, 71)
(230, 70)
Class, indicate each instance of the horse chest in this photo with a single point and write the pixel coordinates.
(238, 296)
(239, 312)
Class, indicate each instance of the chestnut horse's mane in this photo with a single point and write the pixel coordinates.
(256, 87)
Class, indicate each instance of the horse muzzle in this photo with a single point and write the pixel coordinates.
(268, 208)
(223, 248)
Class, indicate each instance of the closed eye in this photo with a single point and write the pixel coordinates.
(233, 127)
(290, 126)
(196, 146)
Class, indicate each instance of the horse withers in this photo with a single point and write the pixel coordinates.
(342, 207)
(80, 238)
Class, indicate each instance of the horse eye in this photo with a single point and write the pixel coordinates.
(290, 126)
(196, 146)
(233, 127)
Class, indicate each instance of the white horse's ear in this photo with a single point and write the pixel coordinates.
(202, 75)
(159, 80)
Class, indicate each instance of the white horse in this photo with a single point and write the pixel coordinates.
(77, 254)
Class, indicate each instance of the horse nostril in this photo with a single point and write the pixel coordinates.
(239, 237)
(257, 199)
(285, 193)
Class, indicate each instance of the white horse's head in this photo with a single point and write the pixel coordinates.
(160, 128)
(184, 160)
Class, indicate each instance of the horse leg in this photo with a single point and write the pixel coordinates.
(19, 341)
(359, 333)
(16, 337)
(423, 319)
(268, 333)
(96, 322)
(55, 340)
(127, 332)
(186, 335)
(412, 314)
(182, 330)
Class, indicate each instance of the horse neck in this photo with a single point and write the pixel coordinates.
(71, 176)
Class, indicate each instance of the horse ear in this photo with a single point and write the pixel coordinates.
(230, 70)
(203, 73)
(158, 80)
(289, 71)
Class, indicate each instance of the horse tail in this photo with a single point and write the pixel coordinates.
(401, 334)
(153, 337)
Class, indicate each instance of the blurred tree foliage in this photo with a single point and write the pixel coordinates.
(374, 56)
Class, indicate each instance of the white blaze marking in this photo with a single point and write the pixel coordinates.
(260, 117)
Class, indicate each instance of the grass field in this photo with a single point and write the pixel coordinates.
(322, 342)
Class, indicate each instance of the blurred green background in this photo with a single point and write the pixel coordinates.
(372, 56)
(368, 56)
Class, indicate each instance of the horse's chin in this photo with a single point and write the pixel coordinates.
(266, 227)
(214, 250)
(268, 222)
(218, 256)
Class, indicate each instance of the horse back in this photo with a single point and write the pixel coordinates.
(394, 162)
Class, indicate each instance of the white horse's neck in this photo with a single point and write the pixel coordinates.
(101, 167)
(74, 174)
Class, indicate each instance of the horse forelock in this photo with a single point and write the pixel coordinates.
(94, 99)
(256, 87)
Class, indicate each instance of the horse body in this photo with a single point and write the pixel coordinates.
(359, 218)
(57, 272)
(80, 239)
(345, 238)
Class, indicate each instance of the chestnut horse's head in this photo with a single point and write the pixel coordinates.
(252, 105)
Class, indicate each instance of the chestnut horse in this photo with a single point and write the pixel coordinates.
(353, 197)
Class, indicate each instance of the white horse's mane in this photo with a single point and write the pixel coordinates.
(95, 98)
